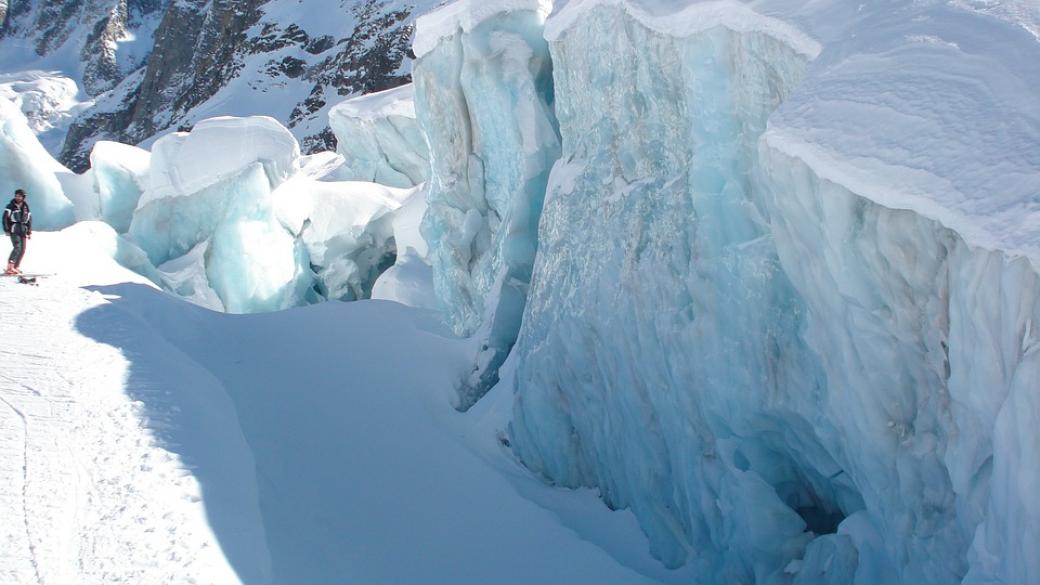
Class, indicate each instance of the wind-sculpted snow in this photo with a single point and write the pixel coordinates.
(785, 380)
(484, 100)
(380, 139)
(26, 165)
(217, 149)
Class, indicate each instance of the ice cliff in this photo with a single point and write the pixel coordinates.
(379, 138)
(236, 219)
(784, 298)
(483, 97)
(25, 163)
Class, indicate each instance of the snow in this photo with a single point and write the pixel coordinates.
(216, 150)
(236, 220)
(462, 16)
(379, 138)
(399, 101)
(686, 19)
(346, 228)
(769, 268)
(946, 129)
(151, 441)
(49, 101)
(410, 280)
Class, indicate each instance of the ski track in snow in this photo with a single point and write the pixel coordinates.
(86, 494)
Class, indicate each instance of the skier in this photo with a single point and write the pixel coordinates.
(18, 225)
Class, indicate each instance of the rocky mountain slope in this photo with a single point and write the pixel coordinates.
(147, 66)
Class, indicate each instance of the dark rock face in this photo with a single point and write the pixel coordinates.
(194, 56)
(370, 60)
(94, 26)
(200, 46)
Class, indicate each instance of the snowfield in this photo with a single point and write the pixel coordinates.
(763, 274)
(146, 440)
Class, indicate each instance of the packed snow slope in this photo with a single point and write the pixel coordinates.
(147, 440)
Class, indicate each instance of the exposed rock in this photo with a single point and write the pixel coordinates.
(201, 46)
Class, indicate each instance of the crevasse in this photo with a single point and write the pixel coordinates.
(930, 352)
(786, 382)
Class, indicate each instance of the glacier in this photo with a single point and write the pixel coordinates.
(784, 299)
(483, 98)
(230, 215)
(26, 165)
(120, 176)
(765, 272)
(237, 220)
(379, 138)
(215, 185)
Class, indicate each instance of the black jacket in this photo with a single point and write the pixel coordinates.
(17, 221)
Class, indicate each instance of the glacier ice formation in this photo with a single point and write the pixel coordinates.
(483, 97)
(25, 164)
(237, 220)
(379, 138)
(790, 372)
(120, 175)
(229, 216)
(769, 268)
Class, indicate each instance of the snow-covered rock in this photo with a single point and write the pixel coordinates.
(248, 58)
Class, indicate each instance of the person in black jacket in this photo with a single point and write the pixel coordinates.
(18, 225)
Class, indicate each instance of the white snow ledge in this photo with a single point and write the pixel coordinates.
(692, 19)
(465, 15)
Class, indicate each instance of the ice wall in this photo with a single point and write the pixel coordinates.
(379, 138)
(215, 185)
(25, 164)
(236, 220)
(660, 358)
(786, 381)
(120, 175)
(930, 343)
(483, 97)
(346, 228)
